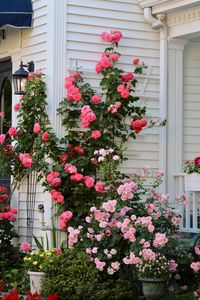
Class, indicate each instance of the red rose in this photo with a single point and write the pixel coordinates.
(138, 125)
(197, 161)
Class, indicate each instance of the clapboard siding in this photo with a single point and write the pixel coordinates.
(191, 105)
(85, 21)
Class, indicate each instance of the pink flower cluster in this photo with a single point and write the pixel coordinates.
(131, 260)
(113, 108)
(127, 76)
(73, 92)
(113, 37)
(126, 191)
(195, 266)
(65, 217)
(107, 61)
(73, 235)
(87, 116)
(12, 131)
(26, 160)
(124, 90)
(96, 99)
(8, 213)
(76, 177)
(36, 128)
(96, 134)
(25, 246)
(57, 196)
(160, 240)
(53, 179)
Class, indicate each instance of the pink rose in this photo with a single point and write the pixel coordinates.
(2, 114)
(69, 168)
(2, 138)
(120, 88)
(89, 181)
(77, 177)
(36, 128)
(160, 240)
(96, 99)
(125, 94)
(12, 131)
(45, 136)
(96, 134)
(17, 107)
(98, 68)
(25, 246)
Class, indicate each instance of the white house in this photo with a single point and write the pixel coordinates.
(165, 34)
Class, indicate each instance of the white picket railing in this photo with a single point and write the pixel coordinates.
(190, 221)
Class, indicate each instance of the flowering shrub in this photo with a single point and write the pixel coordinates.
(13, 295)
(192, 166)
(134, 226)
(110, 117)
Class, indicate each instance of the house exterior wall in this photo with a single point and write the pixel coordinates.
(68, 32)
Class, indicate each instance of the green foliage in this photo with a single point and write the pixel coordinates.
(8, 253)
(74, 277)
(16, 278)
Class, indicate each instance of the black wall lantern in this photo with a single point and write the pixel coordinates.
(20, 78)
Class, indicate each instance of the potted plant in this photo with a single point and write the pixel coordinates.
(154, 275)
(192, 176)
(34, 262)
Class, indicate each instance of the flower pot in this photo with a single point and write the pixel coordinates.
(154, 288)
(192, 182)
(35, 281)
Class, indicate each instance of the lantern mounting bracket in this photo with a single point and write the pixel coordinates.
(30, 66)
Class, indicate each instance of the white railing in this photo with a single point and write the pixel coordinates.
(190, 221)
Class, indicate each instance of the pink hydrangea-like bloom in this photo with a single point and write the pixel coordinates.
(148, 254)
(45, 136)
(17, 107)
(65, 217)
(12, 131)
(110, 205)
(96, 99)
(2, 138)
(96, 134)
(26, 160)
(160, 240)
(195, 266)
(126, 190)
(89, 181)
(25, 246)
(69, 168)
(36, 128)
(99, 264)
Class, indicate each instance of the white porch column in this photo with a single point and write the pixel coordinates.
(175, 111)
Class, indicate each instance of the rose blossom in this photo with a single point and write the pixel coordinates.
(25, 246)
(65, 217)
(36, 128)
(96, 99)
(2, 138)
(136, 61)
(195, 266)
(96, 134)
(138, 125)
(89, 181)
(17, 107)
(12, 131)
(160, 240)
(45, 136)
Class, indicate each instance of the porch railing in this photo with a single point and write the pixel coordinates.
(190, 221)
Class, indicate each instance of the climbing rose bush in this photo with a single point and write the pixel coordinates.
(109, 117)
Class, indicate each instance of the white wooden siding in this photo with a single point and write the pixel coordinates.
(191, 105)
(85, 21)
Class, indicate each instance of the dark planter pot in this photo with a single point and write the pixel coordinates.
(154, 288)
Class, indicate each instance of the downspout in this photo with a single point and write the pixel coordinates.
(159, 23)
